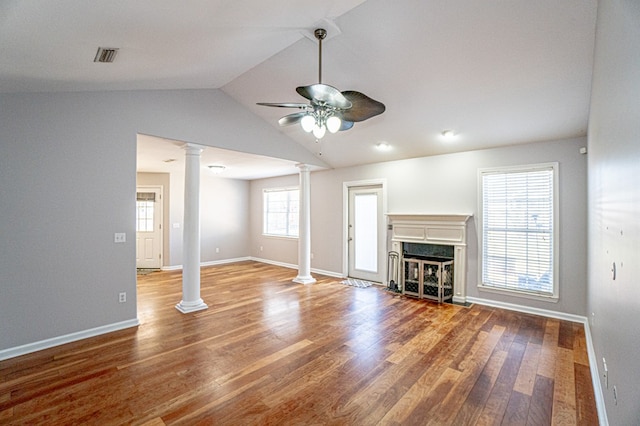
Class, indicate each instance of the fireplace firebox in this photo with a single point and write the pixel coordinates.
(428, 271)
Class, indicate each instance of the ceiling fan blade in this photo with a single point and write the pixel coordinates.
(290, 119)
(324, 93)
(346, 125)
(283, 105)
(363, 107)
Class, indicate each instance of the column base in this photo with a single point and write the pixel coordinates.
(304, 280)
(460, 300)
(188, 307)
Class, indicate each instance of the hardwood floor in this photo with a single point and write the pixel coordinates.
(268, 351)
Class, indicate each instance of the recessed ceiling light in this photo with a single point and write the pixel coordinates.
(448, 134)
(383, 146)
(216, 169)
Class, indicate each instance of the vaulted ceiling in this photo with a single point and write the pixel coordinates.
(496, 72)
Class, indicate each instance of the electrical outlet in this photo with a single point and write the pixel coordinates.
(605, 373)
(120, 237)
(593, 318)
(217, 249)
(260, 248)
(122, 297)
(615, 395)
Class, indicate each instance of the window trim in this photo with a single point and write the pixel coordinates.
(264, 212)
(549, 297)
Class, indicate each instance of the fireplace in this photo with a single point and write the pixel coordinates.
(433, 254)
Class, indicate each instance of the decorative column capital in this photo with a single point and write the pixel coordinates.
(303, 167)
(193, 149)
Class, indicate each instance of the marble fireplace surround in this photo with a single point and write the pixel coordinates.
(440, 229)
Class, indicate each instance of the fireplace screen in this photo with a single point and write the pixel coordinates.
(427, 275)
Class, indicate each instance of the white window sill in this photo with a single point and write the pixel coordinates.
(279, 237)
(552, 298)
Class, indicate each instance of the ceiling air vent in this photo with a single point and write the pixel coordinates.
(105, 54)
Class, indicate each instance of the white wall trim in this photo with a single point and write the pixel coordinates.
(593, 362)
(595, 377)
(257, 259)
(528, 309)
(293, 266)
(208, 263)
(328, 273)
(274, 262)
(67, 338)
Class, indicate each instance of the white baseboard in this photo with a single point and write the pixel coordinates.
(528, 309)
(595, 378)
(257, 259)
(294, 266)
(208, 263)
(225, 261)
(593, 362)
(328, 273)
(274, 262)
(67, 338)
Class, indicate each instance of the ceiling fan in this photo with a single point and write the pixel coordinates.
(328, 109)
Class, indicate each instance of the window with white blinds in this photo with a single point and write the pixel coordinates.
(519, 240)
(281, 212)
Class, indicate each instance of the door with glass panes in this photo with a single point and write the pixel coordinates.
(366, 235)
(149, 227)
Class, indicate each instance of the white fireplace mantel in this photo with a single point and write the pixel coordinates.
(442, 229)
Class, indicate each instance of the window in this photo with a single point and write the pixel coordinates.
(144, 211)
(519, 238)
(281, 212)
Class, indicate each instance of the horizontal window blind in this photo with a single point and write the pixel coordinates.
(281, 212)
(517, 230)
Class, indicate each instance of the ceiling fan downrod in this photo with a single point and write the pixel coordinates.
(320, 34)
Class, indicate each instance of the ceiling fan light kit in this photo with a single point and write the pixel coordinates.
(329, 109)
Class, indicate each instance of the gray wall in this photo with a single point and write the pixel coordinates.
(614, 205)
(224, 216)
(68, 173)
(275, 249)
(443, 184)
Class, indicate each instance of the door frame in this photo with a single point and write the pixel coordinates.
(345, 221)
(160, 203)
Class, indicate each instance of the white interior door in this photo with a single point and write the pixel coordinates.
(149, 227)
(366, 234)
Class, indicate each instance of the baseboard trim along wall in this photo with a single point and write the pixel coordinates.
(257, 259)
(209, 263)
(293, 266)
(593, 362)
(67, 338)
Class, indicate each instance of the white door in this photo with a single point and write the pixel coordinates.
(149, 227)
(366, 234)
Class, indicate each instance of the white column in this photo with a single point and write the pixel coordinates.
(304, 229)
(191, 300)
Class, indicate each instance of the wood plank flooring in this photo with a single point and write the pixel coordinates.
(271, 352)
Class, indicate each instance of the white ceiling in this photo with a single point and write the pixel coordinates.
(158, 155)
(497, 72)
